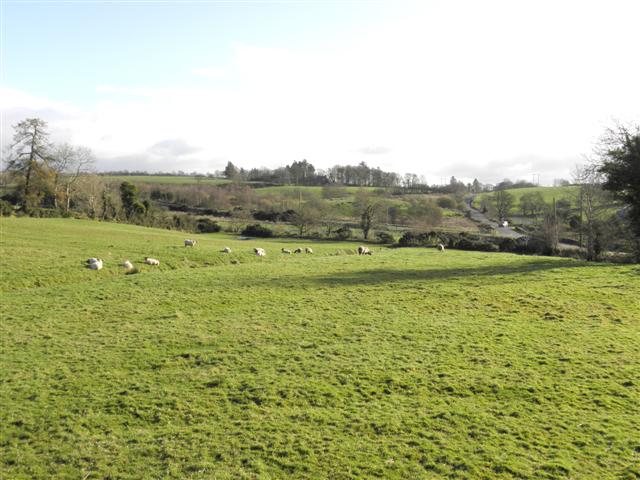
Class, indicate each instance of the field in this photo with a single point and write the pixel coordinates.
(548, 194)
(406, 364)
(165, 179)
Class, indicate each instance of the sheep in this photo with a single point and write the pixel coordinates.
(308, 250)
(505, 224)
(189, 243)
(127, 265)
(362, 250)
(226, 250)
(287, 251)
(92, 260)
(297, 250)
(440, 247)
(97, 265)
(151, 261)
(260, 252)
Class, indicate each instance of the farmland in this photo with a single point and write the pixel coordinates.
(548, 194)
(406, 364)
(166, 179)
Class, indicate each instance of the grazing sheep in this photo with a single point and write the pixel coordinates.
(297, 250)
(440, 247)
(97, 265)
(127, 265)
(190, 243)
(287, 251)
(308, 250)
(151, 261)
(226, 250)
(362, 250)
(260, 252)
(505, 224)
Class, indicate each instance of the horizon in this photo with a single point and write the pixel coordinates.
(439, 89)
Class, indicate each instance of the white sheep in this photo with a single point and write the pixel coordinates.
(97, 265)
(151, 261)
(287, 251)
(226, 250)
(189, 243)
(92, 260)
(127, 265)
(362, 250)
(505, 224)
(440, 247)
(308, 250)
(260, 252)
(297, 250)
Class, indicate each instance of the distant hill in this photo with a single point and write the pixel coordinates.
(548, 193)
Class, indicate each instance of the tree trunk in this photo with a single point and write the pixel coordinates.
(68, 193)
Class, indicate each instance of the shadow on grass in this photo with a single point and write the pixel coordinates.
(483, 274)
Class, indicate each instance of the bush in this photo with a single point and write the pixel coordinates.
(206, 225)
(385, 237)
(257, 230)
(6, 209)
(477, 245)
(38, 212)
(343, 233)
(265, 216)
(446, 202)
(415, 239)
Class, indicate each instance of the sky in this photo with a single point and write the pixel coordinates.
(489, 90)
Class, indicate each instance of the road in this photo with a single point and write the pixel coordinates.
(478, 216)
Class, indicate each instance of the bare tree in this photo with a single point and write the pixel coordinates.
(503, 202)
(69, 163)
(550, 228)
(368, 208)
(592, 202)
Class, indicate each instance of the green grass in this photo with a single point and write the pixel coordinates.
(406, 364)
(548, 193)
(165, 179)
(315, 190)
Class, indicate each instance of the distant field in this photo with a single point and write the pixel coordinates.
(548, 193)
(293, 189)
(165, 179)
(410, 363)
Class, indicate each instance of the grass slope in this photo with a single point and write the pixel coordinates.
(406, 364)
(548, 193)
(165, 179)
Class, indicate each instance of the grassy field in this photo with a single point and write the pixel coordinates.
(548, 193)
(165, 179)
(406, 364)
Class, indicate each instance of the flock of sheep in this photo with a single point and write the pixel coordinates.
(98, 263)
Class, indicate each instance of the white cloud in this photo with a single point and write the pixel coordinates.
(210, 72)
(498, 89)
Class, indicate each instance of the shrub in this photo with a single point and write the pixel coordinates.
(415, 239)
(206, 225)
(385, 237)
(343, 233)
(6, 209)
(446, 202)
(257, 230)
(38, 212)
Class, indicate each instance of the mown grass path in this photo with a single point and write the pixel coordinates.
(406, 364)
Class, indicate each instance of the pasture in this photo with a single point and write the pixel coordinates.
(166, 179)
(410, 363)
(548, 194)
